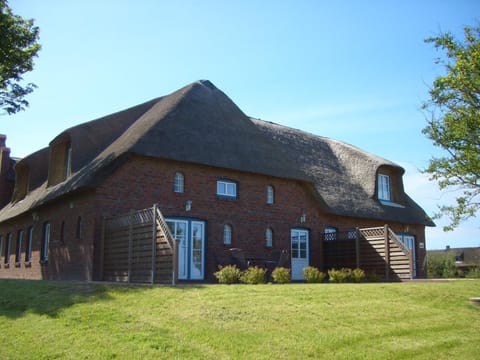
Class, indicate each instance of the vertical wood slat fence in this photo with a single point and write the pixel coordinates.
(375, 250)
(138, 247)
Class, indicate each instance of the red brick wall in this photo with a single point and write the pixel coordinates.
(68, 260)
(249, 215)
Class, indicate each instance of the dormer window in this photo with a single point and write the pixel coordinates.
(22, 179)
(60, 167)
(384, 187)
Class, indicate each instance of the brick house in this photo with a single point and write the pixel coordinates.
(219, 179)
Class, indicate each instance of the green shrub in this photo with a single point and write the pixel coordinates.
(339, 276)
(440, 266)
(357, 275)
(253, 275)
(281, 275)
(229, 274)
(313, 275)
(473, 273)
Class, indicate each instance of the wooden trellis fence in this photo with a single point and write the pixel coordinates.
(138, 247)
(375, 250)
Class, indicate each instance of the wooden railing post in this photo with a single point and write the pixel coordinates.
(357, 247)
(102, 249)
(175, 262)
(387, 253)
(130, 245)
(154, 243)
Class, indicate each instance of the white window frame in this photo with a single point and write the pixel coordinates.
(268, 237)
(45, 241)
(18, 249)
(8, 249)
(227, 234)
(179, 183)
(384, 188)
(270, 195)
(28, 246)
(227, 188)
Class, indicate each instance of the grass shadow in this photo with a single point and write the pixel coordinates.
(19, 297)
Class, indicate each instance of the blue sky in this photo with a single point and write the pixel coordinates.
(356, 71)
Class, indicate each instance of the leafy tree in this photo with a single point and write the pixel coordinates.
(453, 123)
(18, 47)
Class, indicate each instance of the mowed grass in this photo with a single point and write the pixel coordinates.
(53, 320)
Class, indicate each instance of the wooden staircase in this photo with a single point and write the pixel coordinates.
(381, 251)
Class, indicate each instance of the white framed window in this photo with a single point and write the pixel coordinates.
(384, 187)
(227, 234)
(8, 244)
(178, 184)
(270, 195)
(28, 247)
(268, 237)
(45, 242)
(227, 188)
(18, 250)
(330, 233)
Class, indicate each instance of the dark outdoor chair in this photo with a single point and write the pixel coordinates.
(238, 258)
(284, 259)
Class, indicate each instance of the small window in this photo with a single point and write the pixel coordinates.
(62, 233)
(384, 187)
(270, 195)
(18, 250)
(8, 243)
(330, 233)
(178, 185)
(226, 188)
(28, 247)
(268, 237)
(45, 242)
(78, 232)
(227, 234)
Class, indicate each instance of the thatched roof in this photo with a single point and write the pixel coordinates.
(200, 124)
(344, 176)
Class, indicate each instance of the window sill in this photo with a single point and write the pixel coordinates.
(28, 264)
(227, 197)
(43, 262)
(6, 266)
(18, 264)
(391, 203)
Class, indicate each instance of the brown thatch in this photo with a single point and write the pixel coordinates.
(200, 124)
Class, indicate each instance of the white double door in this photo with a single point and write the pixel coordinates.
(191, 247)
(299, 250)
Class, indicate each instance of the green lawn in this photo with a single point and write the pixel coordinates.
(50, 320)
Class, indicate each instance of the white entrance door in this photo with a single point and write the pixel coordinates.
(191, 247)
(179, 230)
(299, 252)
